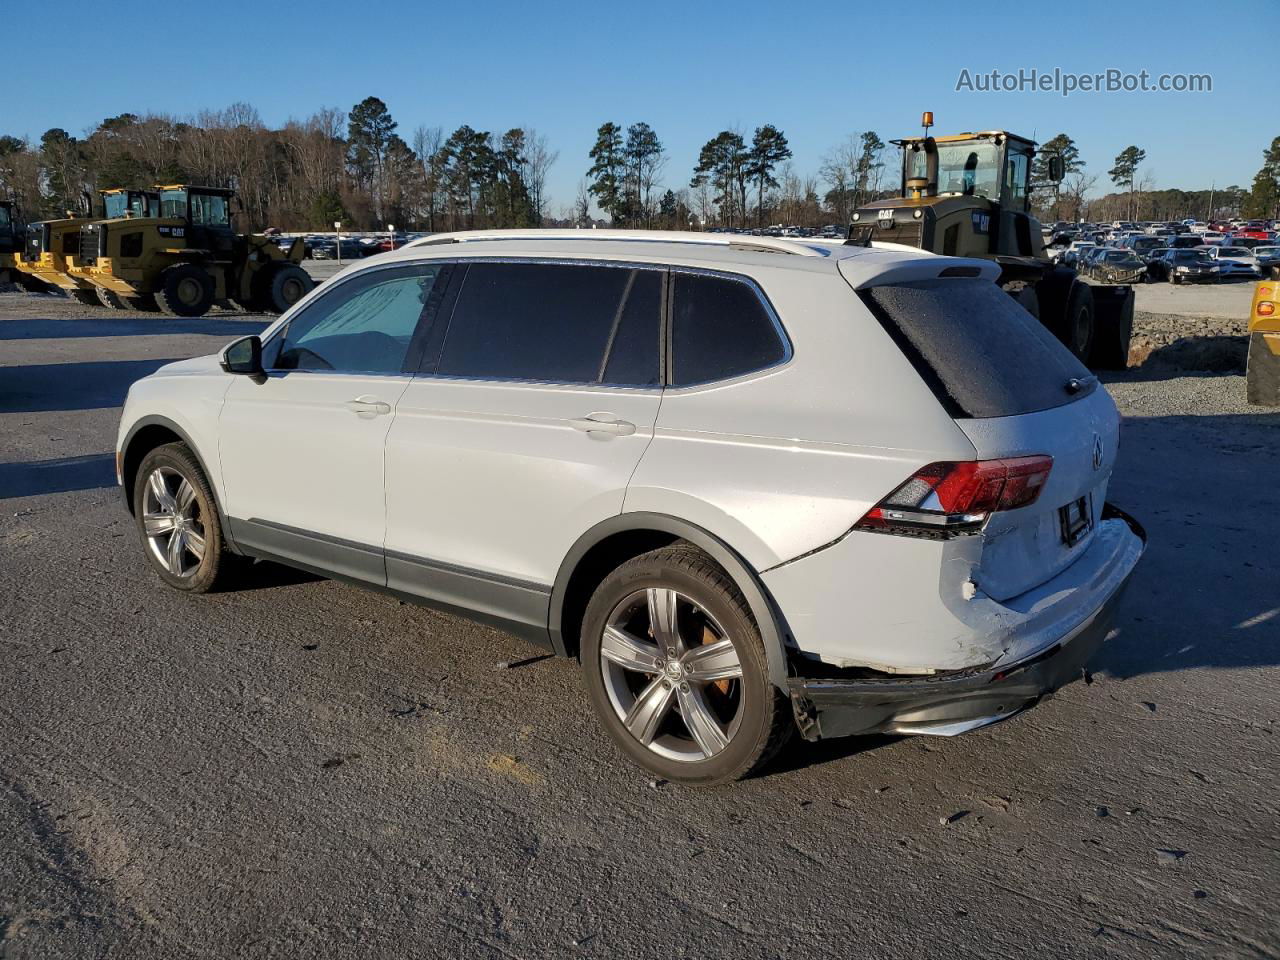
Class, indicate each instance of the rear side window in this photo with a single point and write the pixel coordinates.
(565, 323)
(981, 353)
(721, 328)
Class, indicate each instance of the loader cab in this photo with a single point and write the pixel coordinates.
(994, 165)
(207, 211)
(132, 204)
(10, 232)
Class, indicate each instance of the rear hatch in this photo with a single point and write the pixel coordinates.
(1015, 391)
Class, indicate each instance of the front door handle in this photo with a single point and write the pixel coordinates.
(604, 423)
(368, 406)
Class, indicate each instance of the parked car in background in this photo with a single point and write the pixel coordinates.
(1212, 237)
(352, 249)
(1179, 265)
(1071, 255)
(1267, 257)
(1118, 266)
(1234, 261)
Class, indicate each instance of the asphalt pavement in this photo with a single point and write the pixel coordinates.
(298, 768)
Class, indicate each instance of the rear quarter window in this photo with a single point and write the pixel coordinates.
(980, 352)
(721, 328)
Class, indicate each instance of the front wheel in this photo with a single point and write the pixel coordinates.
(675, 669)
(285, 285)
(110, 299)
(178, 521)
(186, 290)
(86, 298)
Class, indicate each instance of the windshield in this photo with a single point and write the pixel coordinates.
(971, 168)
(210, 210)
(1189, 256)
(1260, 251)
(1233, 252)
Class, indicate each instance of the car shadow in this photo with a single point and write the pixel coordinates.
(71, 386)
(111, 325)
(62, 475)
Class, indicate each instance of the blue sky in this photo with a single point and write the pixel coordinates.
(817, 71)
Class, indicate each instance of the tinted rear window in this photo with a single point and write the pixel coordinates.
(721, 328)
(981, 353)
(557, 322)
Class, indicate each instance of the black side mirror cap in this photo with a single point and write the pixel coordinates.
(243, 356)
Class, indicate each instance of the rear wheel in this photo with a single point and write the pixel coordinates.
(87, 297)
(675, 668)
(185, 291)
(1079, 326)
(1113, 332)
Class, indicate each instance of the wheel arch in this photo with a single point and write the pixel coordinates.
(612, 542)
(154, 431)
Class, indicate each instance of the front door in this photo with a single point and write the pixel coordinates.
(302, 452)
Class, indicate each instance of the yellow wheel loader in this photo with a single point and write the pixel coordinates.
(187, 256)
(969, 195)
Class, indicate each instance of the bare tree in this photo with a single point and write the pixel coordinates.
(539, 157)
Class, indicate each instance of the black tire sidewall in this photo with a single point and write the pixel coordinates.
(741, 754)
(167, 297)
(178, 457)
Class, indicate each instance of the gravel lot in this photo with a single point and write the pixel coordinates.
(300, 768)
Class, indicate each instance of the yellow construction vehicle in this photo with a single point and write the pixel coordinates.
(12, 238)
(187, 256)
(47, 254)
(969, 195)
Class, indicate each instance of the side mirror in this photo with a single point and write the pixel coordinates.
(1057, 169)
(243, 356)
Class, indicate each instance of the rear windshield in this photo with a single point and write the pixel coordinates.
(980, 352)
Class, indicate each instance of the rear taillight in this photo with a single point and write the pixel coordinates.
(946, 499)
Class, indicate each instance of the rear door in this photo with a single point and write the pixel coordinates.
(1015, 391)
(522, 430)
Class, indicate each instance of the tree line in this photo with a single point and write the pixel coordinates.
(354, 168)
(358, 168)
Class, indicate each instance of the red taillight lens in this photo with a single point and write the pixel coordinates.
(958, 496)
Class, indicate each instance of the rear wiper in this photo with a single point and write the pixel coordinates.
(1079, 384)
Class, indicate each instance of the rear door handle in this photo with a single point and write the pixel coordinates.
(604, 423)
(368, 406)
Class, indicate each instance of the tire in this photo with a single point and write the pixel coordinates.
(1079, 328)
(110, 300)
(743, 720)
(1174, 279)
(283, 286)
(88, 298)
(1113, 333)
(185, 291)
(185, 566)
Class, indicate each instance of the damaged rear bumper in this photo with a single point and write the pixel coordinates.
(951, 703)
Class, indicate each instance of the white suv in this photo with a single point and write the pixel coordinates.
(753, 484)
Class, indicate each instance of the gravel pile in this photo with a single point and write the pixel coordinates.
(1166, 341)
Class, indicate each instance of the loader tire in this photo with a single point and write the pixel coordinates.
(111, 300)
(283, 286)
(146, 303)
(185, 291)
(1113, 334)
(88, 298)
(1080, 327)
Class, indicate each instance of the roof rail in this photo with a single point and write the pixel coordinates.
(768, 244)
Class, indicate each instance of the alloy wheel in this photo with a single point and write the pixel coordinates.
(672, 674)
(172, 522)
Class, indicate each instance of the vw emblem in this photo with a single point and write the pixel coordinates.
(1097, 451)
